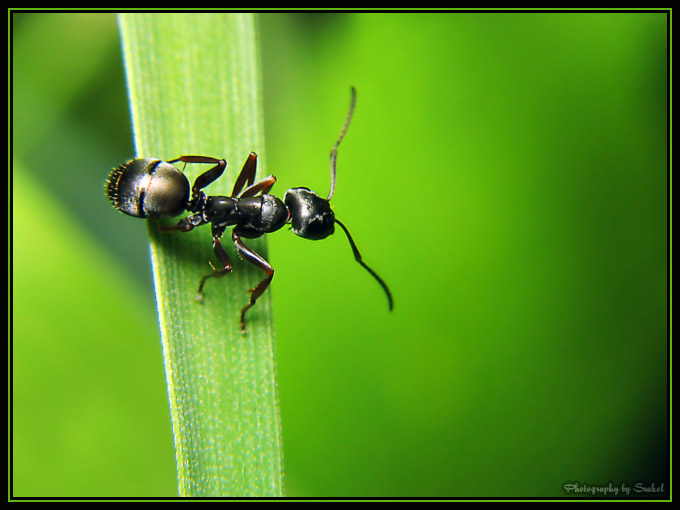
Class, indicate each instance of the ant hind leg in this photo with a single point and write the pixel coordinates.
(208, 176)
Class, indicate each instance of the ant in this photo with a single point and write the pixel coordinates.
(152, 188)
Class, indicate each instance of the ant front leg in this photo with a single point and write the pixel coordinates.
(221, 255)
(259, 262)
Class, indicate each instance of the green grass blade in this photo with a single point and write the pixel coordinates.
(194, 88)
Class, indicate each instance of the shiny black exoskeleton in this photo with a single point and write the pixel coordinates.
(152, 188)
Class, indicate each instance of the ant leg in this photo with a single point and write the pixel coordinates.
(207, 177)
(247, 174)
(185, 224)
(221, 255)
(261, 186)
(259, 262)
(196, 159)
(247, 177)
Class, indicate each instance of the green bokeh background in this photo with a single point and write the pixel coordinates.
(505, 173)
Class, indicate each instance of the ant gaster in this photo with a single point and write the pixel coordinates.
(151, 188)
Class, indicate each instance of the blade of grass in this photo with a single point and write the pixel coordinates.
(194, 88)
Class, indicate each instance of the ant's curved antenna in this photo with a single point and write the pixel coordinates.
(358, 258)
(334, 151)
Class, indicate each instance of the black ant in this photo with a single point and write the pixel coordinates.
(151, 188)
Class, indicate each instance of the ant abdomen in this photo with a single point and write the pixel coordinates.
(148, 188)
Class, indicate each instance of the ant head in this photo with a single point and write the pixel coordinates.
(311, 215)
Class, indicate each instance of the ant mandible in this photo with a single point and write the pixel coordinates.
(152, 188)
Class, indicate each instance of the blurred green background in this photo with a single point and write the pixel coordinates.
(505, 173)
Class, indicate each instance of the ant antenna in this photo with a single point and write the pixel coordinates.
(334, 151)
(357, 256)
